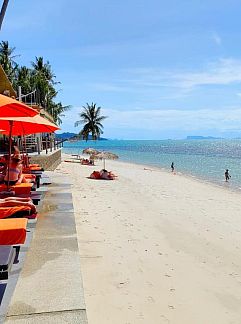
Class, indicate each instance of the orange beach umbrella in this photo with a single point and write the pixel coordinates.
(15, 126)
(10, 107)
(26, 125)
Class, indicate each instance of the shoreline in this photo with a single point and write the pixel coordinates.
(224, 186)
(156, 248)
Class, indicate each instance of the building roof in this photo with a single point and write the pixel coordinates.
(5, 84)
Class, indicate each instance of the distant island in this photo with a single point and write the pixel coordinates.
(202, 137)
(74, 136)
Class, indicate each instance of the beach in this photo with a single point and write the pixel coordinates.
(156, 247)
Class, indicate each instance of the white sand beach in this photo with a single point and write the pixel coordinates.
(157, 247)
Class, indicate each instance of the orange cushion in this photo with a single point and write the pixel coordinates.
(9, 211)
(29, 177)
(22, 188)
(13, 231)
(36, 168)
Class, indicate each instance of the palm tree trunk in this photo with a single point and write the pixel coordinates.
(3, 11)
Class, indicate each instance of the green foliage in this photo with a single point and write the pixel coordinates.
(39, 78)
(91, 120)
(7, 60)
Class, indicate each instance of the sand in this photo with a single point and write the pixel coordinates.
(157, 247)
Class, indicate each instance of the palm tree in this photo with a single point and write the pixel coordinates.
(23, 78)
(44, 81)
(57, 110)
(7, 59)
(91, 118)
(44, 69)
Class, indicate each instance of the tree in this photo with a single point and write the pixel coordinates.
(24, 78)
(7, 59)
(44, 81)
(37, 82)
(57, 110)
(91, 118)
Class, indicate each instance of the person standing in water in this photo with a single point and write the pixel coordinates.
(227, 175)
(172, 166)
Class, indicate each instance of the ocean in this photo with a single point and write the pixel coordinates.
(203, 159)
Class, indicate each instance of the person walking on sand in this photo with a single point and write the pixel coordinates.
(227, 175)
(172, 166)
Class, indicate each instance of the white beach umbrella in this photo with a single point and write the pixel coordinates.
(106, 155)
(90, 151)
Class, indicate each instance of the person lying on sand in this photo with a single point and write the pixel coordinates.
(17, 201)
(103, 174)
(87, 162)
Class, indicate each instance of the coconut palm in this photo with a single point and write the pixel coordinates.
(57, 111)
(44, 81)
(91, 118)
(24, 78)
(7, 59)
(39, 81)
(43, 69)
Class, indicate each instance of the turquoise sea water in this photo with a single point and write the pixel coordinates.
(204, 159)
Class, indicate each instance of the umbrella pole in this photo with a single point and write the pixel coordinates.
(25, 149)
(104, 164)
(9, 151)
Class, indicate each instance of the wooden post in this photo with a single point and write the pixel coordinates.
(38, 145)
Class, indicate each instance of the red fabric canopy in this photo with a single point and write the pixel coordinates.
(12, 108)
(26, 125)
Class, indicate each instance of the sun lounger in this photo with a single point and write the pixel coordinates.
(7, 257)
(15, 211)
(30, 177)
(2, 290)
(13, 231)
(22, 188)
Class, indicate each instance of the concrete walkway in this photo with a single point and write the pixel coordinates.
(49, 289)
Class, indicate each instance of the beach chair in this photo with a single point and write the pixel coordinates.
(7, 257)
(12, 235)
(13, 232)
(22, 188)
(17, 212)
(2, 290)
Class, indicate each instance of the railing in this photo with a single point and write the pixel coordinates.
(38, 146)
(51, 144)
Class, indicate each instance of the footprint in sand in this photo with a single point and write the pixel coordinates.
(140, 316)
(151, 299)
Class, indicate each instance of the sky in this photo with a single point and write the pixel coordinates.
(158, 69)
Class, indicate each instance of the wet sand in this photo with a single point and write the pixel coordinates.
(157, 247)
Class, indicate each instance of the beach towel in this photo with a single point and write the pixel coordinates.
(20, 189)
(16, 211)
(29, 177)
(13, 231)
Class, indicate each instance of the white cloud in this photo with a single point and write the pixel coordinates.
(172, 84)
(222, 72)
(226, 119)
(216, 38)
(221, 120)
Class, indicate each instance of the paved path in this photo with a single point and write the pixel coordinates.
(49, 289)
